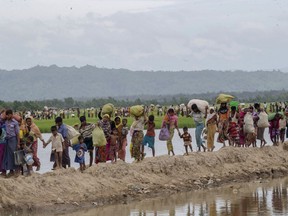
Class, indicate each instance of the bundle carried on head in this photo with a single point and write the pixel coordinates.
(224, 98)
(136, 110)
(108, 109)
(201, 104)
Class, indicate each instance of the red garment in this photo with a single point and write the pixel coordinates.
(35, 157)
(150, 129)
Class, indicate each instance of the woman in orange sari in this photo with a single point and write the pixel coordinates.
(223, 124)
(211, 125)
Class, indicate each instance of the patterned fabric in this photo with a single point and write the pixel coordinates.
(211, 130)
(233, 131)
(137, 140)
(86, 131)
(35, 156)
(80, 153)
(169, 141)
(100, 154)
(223, 130)
(241, 128)
(106, 127)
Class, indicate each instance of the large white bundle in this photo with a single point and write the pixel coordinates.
(182, 106)
(201, 104)
(263, 120)
(249, 124)
(71, 132)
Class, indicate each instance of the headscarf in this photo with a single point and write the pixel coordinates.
(120, 124)
(33, 128)
(106, 115)
(209, 115)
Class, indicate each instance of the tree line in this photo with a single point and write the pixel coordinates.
(247, 97)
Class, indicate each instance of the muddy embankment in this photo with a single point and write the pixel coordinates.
(69, 190)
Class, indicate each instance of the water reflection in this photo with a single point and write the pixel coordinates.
(241, 200)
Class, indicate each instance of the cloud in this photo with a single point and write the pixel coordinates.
(145, 34)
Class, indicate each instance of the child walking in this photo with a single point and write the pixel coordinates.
(149, 138)
(80, 149)
(57, 146)
(28, 150)
(187, 140)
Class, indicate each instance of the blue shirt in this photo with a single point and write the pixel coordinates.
(12, 128)
(80, 152)
(62, 129)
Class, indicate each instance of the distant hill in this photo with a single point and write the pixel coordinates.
(91, 82)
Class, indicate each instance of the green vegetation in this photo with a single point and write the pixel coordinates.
(246, 97)
(45, 125)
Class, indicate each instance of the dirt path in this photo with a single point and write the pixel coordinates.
(67, 190)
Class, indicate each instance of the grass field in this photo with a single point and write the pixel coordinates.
(45, 125)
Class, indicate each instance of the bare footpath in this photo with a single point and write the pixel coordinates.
(69, 190)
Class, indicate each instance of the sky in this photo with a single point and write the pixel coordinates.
(145, 34)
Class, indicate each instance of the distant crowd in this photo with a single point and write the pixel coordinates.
(236, 124)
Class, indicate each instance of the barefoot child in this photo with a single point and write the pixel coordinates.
(27, 147)
(80, 149)
(187, 139)
(57, 146)
(149, 138)
(114, 145)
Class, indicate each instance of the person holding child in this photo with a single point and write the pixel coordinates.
(29, 128)
(27, 147)
(57, 146)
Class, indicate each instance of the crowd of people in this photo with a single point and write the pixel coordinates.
(237, 126)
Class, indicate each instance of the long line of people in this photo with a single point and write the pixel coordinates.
(236, 126)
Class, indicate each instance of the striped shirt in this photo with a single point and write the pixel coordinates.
(86, 131)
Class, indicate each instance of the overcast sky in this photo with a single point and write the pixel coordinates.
(145, 34)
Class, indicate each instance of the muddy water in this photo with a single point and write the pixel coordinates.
(160, 149)
(270, 198)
